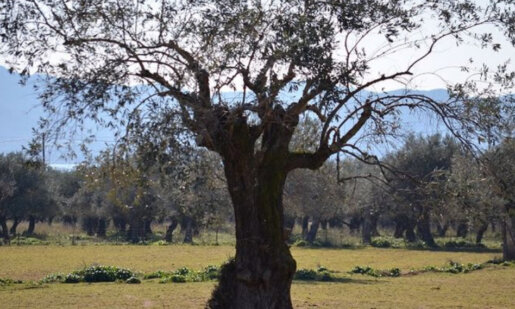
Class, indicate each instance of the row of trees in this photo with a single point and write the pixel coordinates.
(427, 186)
(121, 191)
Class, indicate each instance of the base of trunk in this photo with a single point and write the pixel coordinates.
(270, 290)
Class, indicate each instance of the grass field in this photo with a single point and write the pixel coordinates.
(488, 288)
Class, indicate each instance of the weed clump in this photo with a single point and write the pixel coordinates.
(320, 274)
(369, 271)
(7, 281)
(186, 274)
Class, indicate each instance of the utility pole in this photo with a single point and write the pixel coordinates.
(43, 147)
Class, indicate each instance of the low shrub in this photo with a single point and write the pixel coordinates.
(365, 270)
(381, 242)
(211, 272)
(53, 278)
(305, 274)
(185, 274)
(300, 243)
(27, 241)
(72, 278)
(157, 275)
(454, 268)
(100, 273)
(321, 274)
(369, 271)
(7, 281)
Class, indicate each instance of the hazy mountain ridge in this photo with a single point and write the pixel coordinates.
(20, 111)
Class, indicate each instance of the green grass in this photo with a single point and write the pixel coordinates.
(491, 287)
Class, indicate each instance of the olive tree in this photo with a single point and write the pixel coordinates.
(122, 62)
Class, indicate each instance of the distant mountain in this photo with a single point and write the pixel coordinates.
(20, 111)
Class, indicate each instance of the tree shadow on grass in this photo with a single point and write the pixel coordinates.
(347, 280)
(459, 249)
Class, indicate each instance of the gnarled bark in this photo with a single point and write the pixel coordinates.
(263, 268)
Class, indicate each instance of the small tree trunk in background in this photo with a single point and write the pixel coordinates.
(462, 229)
(148, 226)
(32, 226)
(424, 229)
(170, 229)
(102, 227)
(187, 226)
(305, 225)
(323, 224)
(442, 229)
(373, 225)
(12, 230)
(313, 230)
(410, 233)
(480, 232)
(400, 227)
(355, 223)
(89, 225)
(493, 225)
(5, 230)
(120, 224)
(366, 230)
(289, 224)
(508, 233)
(136, 231)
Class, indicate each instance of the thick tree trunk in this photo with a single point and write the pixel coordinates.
(13, 228)
(313, 230)
(480, 232)
(508, 234)
(261, 274)
(170, 229)
(32, 225)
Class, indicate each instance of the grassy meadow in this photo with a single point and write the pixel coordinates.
(492, 287)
